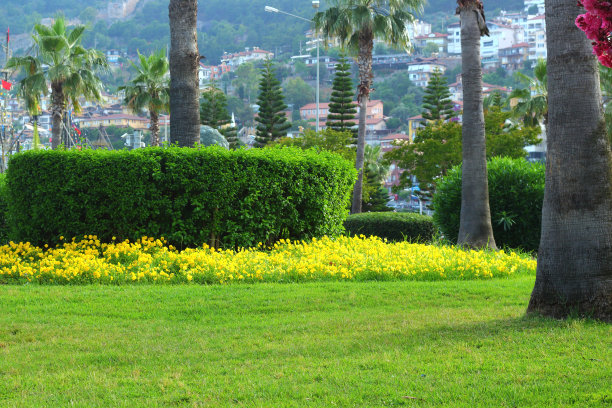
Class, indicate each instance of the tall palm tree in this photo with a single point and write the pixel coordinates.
(184, 60)
(150, 89)
(475, 229)
(574, 273)
(355, 24)
(63, 63)
(532, 105)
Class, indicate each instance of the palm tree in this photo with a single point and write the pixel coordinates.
(532, 106)
(66, 65)
(184, 61)
(574, 273)
(355, 24)
(149, 90)
(475, 229)
(375, 164)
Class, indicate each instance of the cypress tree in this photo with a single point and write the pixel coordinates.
(342, 110)
(213, 113)
(272, 122)
(436, 101)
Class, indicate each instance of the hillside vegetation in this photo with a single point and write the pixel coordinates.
(224, 25)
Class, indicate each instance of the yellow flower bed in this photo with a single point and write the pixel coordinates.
(342, 258)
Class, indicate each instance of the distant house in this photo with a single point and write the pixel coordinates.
(421, 70)
(206, 73)
(456, 90)
(441, 40)
(512, 58)
(248, 55)
(374, 110)
(388, 143)
(119, 120)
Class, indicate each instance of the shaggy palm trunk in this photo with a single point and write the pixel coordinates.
(364, 61)
(58, 104)
(475, 228)
(574, 275)
(154, 125)
(184, 59)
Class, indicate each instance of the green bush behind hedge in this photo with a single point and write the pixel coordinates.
(516, 193)
(392, 226)
(189, 196)
(3, 210)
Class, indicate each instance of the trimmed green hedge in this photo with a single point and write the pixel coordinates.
(392, 226)
(189, 196)
(516, 193)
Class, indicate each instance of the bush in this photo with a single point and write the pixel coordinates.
(3, 210)
(516, 192)
(392, 226)
(189, 196)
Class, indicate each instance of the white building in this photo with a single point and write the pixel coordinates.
(239, 58)
(535, 36)
(420, 71)
(501, 35)
(418, 28)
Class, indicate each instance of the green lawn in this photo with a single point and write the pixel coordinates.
(367, 344)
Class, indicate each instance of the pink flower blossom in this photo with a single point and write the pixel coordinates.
(597, 25)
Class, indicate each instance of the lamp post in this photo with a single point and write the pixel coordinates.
(315, 5)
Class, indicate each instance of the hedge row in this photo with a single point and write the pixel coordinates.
(189, 196)
(392, 226)
(516, 193)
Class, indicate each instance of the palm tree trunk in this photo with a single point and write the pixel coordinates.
(184, 59)
(364, 61)
(154, 125)
(57, 114)
(574, 274)
(475, 228)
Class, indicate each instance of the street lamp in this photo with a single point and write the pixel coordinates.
(315, 5)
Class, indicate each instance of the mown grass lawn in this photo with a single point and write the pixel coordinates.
(343, 344)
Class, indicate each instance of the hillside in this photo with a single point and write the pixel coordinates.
(224, 25)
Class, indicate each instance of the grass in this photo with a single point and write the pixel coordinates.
(331, 344)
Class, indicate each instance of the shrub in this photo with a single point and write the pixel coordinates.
(3, 210)
(189, 196)
(516, 192)
(392, 226)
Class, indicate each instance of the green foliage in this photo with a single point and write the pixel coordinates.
(392, 226)
(3, 210)
(210, 136)
(62, 62)
(298, 93)
(247, 78)
(213, 113)
(325, 140)
(399, 89)
(437, 104)
(606, 90)
(189, 196)
(516, 192)
(150, 89)
(532, 101)
(342, 110)
(272, 122)
(437, 147)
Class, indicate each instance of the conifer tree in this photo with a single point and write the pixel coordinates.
(272, 122)
(436, 101)
(213, 113)
(342, 110)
